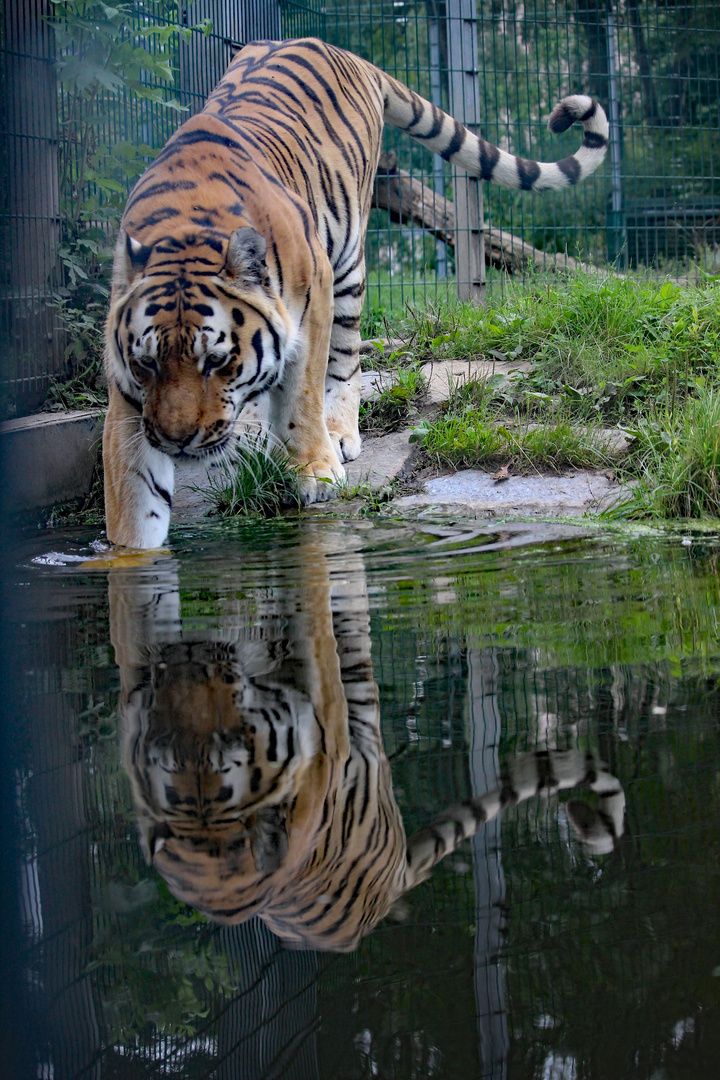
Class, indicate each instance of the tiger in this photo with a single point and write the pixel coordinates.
(259, 777)
(239, 270)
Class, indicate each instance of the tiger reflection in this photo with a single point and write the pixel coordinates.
(258, 771)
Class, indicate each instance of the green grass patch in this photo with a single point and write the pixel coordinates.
(395, 403)
(261, 482)
(675, 463)
(611, 348)
(473, 440)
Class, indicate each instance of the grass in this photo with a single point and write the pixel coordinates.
(642, 356)
(473, 440)
(610, 345)
(675, 461)
(394, 404)
(262, 481)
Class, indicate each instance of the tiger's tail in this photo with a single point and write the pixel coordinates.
(445, 136)
(541, 773)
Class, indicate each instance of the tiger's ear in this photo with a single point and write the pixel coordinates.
(245, 260)
(130, 260)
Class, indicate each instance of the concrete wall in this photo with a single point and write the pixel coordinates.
(49, 458)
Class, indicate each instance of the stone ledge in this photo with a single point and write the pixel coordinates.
(50, 457)
(475, 493)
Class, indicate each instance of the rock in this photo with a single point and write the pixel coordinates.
(477, 494)
(374, 382)
(192, 478)
(382, 460)
(448, 373)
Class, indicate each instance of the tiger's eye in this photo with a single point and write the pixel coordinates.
(214, 363)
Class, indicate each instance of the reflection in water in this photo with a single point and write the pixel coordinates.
(260, 780)
(521, 956)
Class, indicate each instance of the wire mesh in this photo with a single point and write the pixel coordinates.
(517, 942)
(501, 65)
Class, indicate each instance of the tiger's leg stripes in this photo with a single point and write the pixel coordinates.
(139, 480)
(343, 380)
(296, 407)
(543, 773)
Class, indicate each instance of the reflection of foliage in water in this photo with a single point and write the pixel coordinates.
(644, 600)
(613, 645)
(158, 961)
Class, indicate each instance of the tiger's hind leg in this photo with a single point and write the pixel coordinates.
(343, 380)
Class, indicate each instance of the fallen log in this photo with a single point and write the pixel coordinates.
(410, 201)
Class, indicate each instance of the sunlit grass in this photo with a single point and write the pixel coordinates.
(261, 481)
(675, 462)
(473, 440)
(615, 346)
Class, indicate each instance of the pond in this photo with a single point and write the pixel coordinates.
(251, 724)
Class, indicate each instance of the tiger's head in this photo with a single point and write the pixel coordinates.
(195, 331)
(213, 757)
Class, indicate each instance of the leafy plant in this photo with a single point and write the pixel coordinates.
(258, 483)
(675, 463)
(392, 407)
(105, 52)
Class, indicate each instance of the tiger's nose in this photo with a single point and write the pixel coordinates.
(182, 443)
(171, 436)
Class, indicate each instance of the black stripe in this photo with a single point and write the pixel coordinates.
(161, 189)
(455, 143)
(130, 400)
(271, 753)
(436, 127)
(489, 157)
(546, 777)
(594, 141)
(155, 218)
(161, 491)
(528, 172)
(562, 118)
(570, 167)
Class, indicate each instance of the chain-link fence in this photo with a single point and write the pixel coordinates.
(91, 97)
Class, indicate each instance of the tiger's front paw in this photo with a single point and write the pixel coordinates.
(318, 481)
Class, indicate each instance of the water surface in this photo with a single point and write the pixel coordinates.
(525, 954)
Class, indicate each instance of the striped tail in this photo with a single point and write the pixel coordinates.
(541, 773)
(444, 136)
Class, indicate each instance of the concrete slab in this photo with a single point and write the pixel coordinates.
(381, 460)
(475, 493)
(442, 376)
(50, 457)
(374, 382)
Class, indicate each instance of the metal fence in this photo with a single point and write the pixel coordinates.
(498, 65)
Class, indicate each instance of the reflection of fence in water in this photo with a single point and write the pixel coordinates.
(444, 710)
